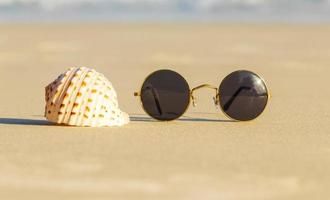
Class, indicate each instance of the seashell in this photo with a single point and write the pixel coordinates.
(83, 97)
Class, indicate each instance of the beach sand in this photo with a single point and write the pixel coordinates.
(284, 154)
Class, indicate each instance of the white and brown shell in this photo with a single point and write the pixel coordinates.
(83, 97)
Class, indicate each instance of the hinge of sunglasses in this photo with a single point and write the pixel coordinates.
(136, 94)
(216, 99)
(193, 99)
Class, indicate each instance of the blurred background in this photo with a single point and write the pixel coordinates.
(301, 11)
(283, 155)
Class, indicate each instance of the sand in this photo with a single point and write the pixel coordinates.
(284, 154)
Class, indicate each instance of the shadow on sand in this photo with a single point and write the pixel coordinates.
(32, 122)
(133, 118)
(144, 118)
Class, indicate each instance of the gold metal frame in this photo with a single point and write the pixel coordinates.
(216, 99)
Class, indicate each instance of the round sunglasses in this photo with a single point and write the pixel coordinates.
(165, 95)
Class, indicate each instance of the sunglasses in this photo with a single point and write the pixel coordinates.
(165, 95)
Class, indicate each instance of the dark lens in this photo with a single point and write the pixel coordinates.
(165, 95)
(243, 95)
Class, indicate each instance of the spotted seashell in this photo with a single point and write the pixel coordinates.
(83, 97)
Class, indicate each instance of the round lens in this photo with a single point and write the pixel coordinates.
(243, 95)
(165, 95)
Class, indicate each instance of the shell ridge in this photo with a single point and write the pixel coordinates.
(64, 93)
(47, 97)
(104, 109)
(98, 104)
(58, 84)
(74, 96)
(52, 105)
(61, 101)
(81, 100)
(82, 107)
(89, 96)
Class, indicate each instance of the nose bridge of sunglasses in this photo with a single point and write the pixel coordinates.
(215, 98)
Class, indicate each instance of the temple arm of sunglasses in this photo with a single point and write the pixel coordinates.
(231, 100)
(155, 95)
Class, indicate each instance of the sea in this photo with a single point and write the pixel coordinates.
(259, 11)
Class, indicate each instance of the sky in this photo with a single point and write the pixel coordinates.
(165, 10)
